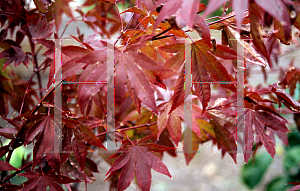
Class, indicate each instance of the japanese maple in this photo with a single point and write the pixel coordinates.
(150, 84)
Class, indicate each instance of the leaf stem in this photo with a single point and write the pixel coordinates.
(121, 20)
(127, 137)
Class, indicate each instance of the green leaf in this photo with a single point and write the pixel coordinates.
(277, 184)
(292, 160)
(253, 172)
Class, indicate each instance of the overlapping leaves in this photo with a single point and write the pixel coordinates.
(257, 121)
(130, 72)
(137, 160)
(48, 140)
(205, 68)
(40, 181)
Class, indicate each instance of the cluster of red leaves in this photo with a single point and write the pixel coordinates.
(149, 57)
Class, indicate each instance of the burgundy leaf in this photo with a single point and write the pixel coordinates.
(8, 133)
(89, 136)
(225, 52)
(264, 138)
(248, 137)
(256, 32)
(170, 120)
(223, 136)
(79, 149)
(5, 166)
(286, 99)
(203, 30)
(93, 73)
(200, 79)
(137, 160)
(39, 181)
(179, 92)
(272, 121)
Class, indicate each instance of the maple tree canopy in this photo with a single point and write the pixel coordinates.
(138, 90)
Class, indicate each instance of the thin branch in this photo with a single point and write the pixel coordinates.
(13, 143)
(128, 128)
(133, 33)
(35, 71)
(19, 170)
(161, 33)
(221, 106)
(208, 24)
(125, 29)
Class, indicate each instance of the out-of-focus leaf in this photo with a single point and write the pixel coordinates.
(40, 6)
(253, 172)
(291, 160)
(277, 184)
(212, 6)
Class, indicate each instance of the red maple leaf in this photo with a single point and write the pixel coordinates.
(130, 72)
(47, 140)
(205, 67)
(40, 181)
(257, 120)
(136, 160)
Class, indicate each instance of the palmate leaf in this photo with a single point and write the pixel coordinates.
(40, 181)
(57, 9)
(130, 71)
(251, 55)
(256, 120)
(79, 127)
(137, 160)
(47, 141)
(75, 58)
(205, 68)
(15, 54)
